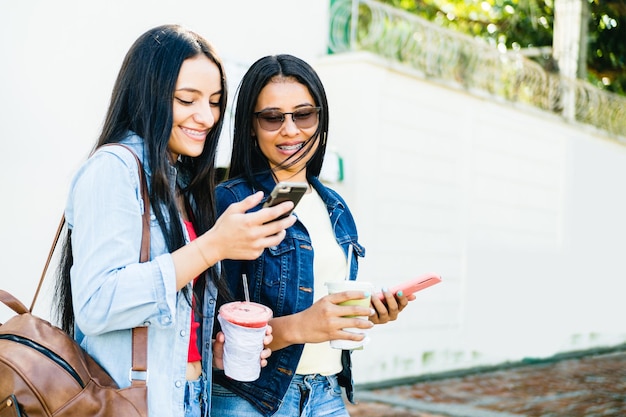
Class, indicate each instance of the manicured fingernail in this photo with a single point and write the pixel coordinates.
(372, 311)
(400, 293)
(366, 294)
(385, 289)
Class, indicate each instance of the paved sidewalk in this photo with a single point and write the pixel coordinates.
(582, 384)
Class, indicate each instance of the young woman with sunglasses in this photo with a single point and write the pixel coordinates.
(280, 134)
(167, 107)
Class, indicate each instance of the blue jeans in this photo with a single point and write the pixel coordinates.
(307, 396)
(195, 398)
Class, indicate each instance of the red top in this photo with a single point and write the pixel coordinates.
(194, 353)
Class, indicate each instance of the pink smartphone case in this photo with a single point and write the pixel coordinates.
(414, 285)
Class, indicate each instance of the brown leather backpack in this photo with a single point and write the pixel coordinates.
(49, 374)
(44, 372)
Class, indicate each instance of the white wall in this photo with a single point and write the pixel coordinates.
(520, 213)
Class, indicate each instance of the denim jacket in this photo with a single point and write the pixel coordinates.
(113, 292)
(282, 279)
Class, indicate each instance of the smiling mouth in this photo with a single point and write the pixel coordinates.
(199, 134)
(291, 147)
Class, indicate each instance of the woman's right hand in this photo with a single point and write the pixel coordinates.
(235, 235)
(323, 321)
(245, 235)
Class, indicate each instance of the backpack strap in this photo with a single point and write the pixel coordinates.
(45, 268)
(139, 371)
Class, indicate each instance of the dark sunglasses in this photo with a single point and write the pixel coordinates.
(272, 120)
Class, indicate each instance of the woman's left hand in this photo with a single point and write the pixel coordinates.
(266, 352)
(218, 351)
(389, 309)
(218, 348)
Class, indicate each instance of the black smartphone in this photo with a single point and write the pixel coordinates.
(286, 191)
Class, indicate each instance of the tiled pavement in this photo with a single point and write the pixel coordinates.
(577, 384)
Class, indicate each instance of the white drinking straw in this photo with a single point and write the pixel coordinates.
(245, 287)
(349, 261)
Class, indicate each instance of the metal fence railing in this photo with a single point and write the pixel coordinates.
(447, 55)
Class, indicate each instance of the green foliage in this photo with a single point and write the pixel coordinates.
(606, 60)
(517, 24)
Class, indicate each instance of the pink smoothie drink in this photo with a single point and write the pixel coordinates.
(246, 314)
(244, 324)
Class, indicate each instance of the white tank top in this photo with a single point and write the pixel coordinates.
(329, 264)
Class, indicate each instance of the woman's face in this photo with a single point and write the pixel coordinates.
(285, 96)
(196, 106)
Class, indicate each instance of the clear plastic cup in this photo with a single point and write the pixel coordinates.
(244, 324)
(349, 285)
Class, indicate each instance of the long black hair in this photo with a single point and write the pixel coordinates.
(247, 159)
(142, 102)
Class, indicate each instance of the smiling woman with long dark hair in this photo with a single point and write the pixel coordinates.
(281, 133)
(167, 107)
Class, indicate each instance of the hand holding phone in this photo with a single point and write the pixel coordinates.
(413, 285)
(286, 191)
